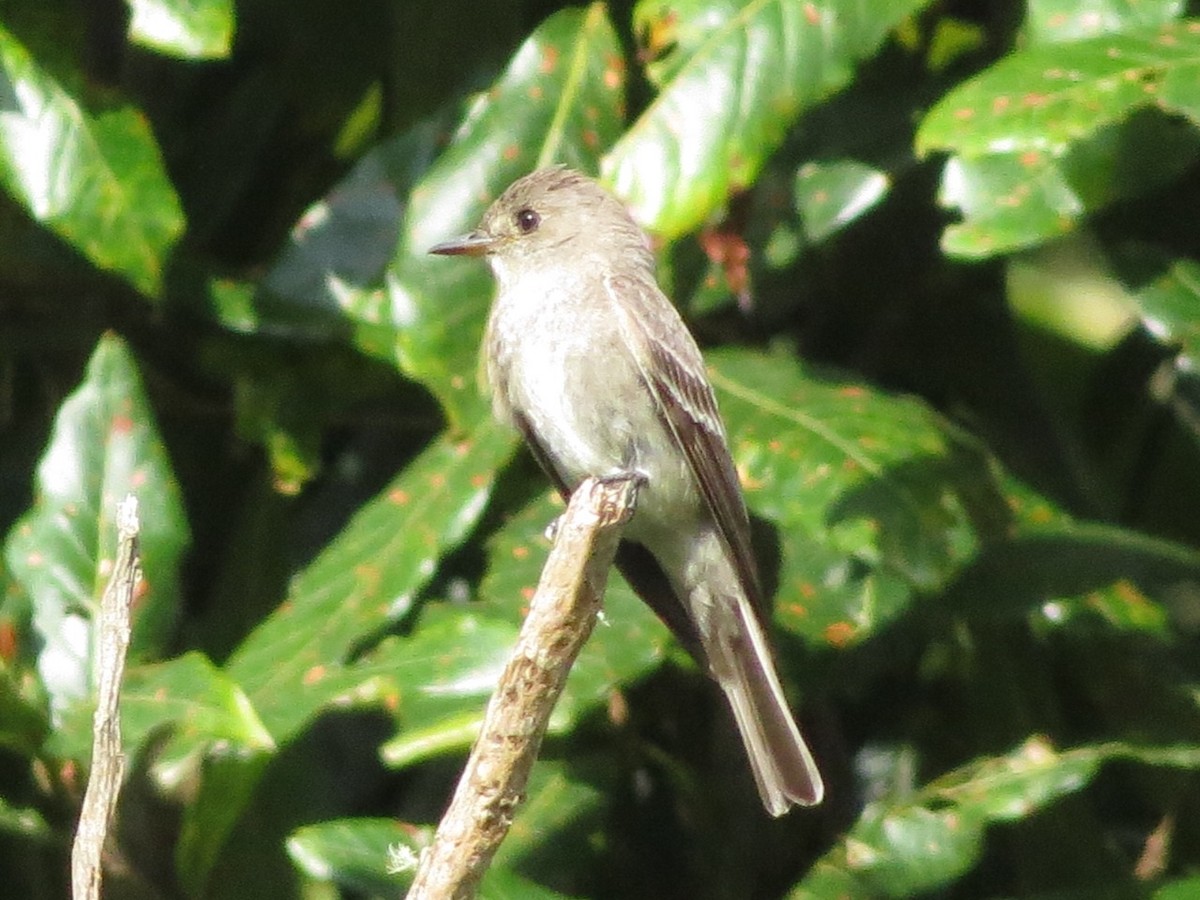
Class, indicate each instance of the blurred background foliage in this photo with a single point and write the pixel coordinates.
(944, 259)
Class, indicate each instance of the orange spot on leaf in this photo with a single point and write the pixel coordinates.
(8, 641)
(1128, 592)
(839, 634)
(314, 675)
(748, 481)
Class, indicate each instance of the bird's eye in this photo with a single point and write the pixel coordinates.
(528, 220)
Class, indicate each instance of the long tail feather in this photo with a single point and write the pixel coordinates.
(783, 767)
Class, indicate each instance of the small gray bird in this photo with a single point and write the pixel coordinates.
(592, 363)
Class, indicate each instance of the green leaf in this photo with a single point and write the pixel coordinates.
(104, 446)
(1044, 99)
(627, 643)
(1007, 203)
(1181, 889)
(201, 703)
(1068, 570)
(228, 779)
(443, 674)
(559, 806)
(23, 720)
(463, 651)
(356, 854)
(1169, 307)
(734, 78)
(299, 661)
(874, 498)
(326, 280)
(505, 884)
(1170, 311)
(900, 848)
(829, 196)
(368, 577)
(197, 700)
(1049, 134)
(189, 29)
(1066, 21)
(560, 100)
(290, 666)
(97, 182)
(24, 823)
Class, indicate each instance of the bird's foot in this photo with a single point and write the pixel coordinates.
(635, 479)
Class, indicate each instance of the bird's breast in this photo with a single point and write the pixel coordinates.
(559, 359)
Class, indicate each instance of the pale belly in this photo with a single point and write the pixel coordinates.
(588, 406)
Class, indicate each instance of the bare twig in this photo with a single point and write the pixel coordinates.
(560, 619)
(108, 763)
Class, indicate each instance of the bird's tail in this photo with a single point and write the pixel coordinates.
(782, 764)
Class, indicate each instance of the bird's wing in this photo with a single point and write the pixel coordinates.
(673, 371)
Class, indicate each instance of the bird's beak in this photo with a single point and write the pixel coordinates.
(474, 244)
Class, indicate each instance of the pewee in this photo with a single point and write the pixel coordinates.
(592, 363)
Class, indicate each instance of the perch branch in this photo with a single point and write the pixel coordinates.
(108, 763)
(561, 617)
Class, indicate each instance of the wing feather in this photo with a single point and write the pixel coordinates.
(673, 371)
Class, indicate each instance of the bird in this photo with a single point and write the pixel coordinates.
(587, 357)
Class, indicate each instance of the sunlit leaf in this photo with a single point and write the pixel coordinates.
(903, 848)
(445, 700)
(357, 854)
(829, 196)
(734, 77)
(292, 664)
(97, 182)
(104, 446)
(874, 499)
(1049, 134)
(1065, 21)
(190, 29)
